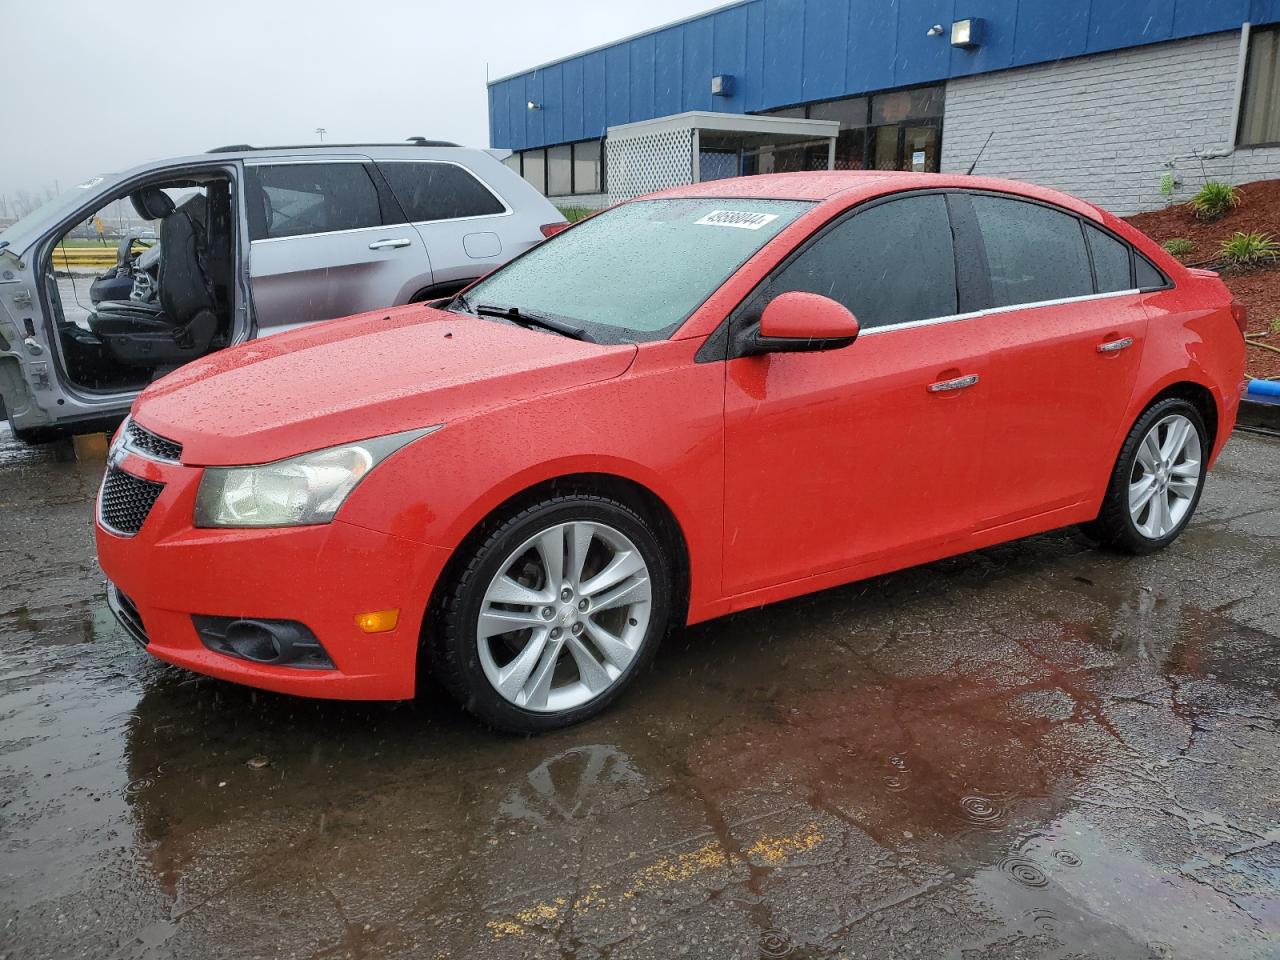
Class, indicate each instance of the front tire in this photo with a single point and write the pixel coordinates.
(550, 617)
(1157, 481)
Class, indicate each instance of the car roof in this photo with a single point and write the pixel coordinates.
(845, 187)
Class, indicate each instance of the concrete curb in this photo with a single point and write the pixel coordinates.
(1259, 417)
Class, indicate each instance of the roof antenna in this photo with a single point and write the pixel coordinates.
(973, 166)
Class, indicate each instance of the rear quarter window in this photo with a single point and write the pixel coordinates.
(439, 191)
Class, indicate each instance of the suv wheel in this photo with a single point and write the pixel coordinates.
(553, 614)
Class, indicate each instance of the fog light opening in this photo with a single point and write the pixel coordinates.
(254, 641)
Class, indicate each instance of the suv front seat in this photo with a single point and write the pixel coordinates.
(184, 323)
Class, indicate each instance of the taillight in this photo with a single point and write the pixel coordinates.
(551, 229)
(1240, 314)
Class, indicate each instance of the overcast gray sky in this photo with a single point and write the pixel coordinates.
(99, 86)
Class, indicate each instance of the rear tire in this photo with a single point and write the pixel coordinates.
(1156, 484)
(580, 633)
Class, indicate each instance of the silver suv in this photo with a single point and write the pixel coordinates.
(239, 243)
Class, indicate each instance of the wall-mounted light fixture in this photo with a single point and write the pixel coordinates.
(533, 106)
(722, 85)
(936, 30)
(966, 34)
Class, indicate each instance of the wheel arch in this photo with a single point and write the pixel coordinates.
(640, 497)
(1195, 393)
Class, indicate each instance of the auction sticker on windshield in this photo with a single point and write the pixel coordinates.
(741, 219)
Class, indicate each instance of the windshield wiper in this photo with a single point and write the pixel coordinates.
(523, 319)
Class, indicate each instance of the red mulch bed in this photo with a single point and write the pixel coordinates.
(1257, 289)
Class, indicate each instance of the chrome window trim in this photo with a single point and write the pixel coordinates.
(330, 233)
(994, 311)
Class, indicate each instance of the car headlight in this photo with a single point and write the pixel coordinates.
(306, 489)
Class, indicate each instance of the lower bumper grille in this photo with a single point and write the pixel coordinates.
(126, 501)
(127, 614)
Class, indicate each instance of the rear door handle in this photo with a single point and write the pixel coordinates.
(959, 383)
(390, 244)
(1115, 346)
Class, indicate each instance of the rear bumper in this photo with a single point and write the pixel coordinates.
(322, 576)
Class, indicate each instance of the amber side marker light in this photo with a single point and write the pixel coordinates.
(379, 621)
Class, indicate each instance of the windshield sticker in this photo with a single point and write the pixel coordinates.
(736, 218)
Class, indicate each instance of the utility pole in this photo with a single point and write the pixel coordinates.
(320, 131)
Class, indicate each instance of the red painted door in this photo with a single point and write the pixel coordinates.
(838, 457)
(1063, 365)
(835, 458)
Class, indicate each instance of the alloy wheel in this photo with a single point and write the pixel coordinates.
(564, 616)
(1166, 474)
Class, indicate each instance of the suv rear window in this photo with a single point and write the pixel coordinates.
(294, 199)
(439, 191)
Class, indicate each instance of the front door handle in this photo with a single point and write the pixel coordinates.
(1115, 346)
(390, 244)
(959, 383)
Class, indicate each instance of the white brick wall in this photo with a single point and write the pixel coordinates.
(1105, 127)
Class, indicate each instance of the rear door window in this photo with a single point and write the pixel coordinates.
(891, 263)
(1110, 261)
(439, 191)
(1034, 253)
(295, 199)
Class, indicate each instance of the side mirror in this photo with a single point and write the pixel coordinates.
(797, 322)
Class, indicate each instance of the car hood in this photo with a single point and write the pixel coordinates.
(360, 377)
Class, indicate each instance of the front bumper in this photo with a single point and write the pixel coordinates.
(322, 576)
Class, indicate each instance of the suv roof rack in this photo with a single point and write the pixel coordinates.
(411, 142)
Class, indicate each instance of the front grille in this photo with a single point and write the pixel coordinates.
(126, 501)
(127, 613)
(152, 444)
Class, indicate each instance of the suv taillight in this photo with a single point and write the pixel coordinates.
(1240, 314)
(551, 229)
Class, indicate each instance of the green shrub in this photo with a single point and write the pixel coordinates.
(1214, 199)
(1275, 325)
(1179, 246)
(1249, 249)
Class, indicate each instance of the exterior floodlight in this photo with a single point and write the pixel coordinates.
(722, 85)
(533, 106)
(935, 31)
(966, 34)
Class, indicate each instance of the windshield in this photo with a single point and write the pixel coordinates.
(637, 271)
(47, 210)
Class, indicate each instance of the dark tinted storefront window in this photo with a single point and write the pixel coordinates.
(898, 130)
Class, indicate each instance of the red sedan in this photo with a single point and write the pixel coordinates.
(690, 404)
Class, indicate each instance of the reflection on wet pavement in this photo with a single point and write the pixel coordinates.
(1039, 750)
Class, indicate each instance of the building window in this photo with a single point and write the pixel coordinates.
(559, 170)
(1260, 107)
(563, 170)
(898, 130)
(533, 164)
(587, 165)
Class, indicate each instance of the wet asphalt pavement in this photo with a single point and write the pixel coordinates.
(1039, 750)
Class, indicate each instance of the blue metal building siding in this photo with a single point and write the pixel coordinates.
(782, 52)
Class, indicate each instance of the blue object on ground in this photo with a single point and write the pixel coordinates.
(1268, 391)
